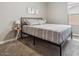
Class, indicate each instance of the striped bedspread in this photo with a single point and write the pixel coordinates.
(51, 32)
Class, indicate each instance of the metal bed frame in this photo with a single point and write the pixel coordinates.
(34, 40)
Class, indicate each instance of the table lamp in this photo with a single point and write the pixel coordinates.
(17, 23)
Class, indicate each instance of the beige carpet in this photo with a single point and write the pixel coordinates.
(25, 47)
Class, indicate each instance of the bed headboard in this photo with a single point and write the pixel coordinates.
(31, 17)
(23, 18)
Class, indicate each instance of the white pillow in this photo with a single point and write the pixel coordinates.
(35, 21)
(42, 21)
(32, 21)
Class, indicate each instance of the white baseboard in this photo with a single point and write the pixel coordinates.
(6, 41)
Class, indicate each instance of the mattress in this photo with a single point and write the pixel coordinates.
(51, 32)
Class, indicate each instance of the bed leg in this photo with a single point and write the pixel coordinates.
(21, 35)
(71, 35)
(34, 41)
(60, 50)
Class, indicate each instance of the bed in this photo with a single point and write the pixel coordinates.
(56, 34)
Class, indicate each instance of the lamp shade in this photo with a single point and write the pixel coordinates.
(17, 22)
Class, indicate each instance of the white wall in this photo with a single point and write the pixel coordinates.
(57, 13)
(9, 12)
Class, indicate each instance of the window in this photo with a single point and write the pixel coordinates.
(73, 11)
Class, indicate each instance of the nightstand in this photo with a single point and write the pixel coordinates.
(17, 29)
